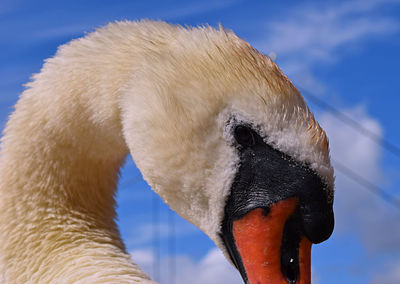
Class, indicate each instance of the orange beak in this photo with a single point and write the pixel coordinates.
(276, 208)
(268, 251)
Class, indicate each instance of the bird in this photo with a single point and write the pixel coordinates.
(215, 128)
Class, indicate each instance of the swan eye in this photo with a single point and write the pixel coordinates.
(244, 136)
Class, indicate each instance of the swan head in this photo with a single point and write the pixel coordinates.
(228, 143)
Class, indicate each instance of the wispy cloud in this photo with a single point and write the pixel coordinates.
(316, 32)
(324, 33)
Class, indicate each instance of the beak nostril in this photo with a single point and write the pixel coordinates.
(290, 249)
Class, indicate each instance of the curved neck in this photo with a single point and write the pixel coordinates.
(57, 153)
(60, 158)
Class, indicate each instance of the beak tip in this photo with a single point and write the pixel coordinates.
(319, 229)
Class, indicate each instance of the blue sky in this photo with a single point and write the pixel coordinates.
(344, 52)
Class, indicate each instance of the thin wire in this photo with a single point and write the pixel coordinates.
(379, 192)
(172, 248)
(172, 239)
(156, 238)
(389, 146)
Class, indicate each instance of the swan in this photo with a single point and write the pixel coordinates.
(215, 128)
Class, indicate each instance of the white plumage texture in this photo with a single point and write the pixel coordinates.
(164, 93)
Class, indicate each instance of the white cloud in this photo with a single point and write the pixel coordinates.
(357, 209)
(351, 147)
(213, 268)
(323, 33)
(144, 257)
(317, 31)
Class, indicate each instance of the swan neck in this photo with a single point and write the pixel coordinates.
(61, 153)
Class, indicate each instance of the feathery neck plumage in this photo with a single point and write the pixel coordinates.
(60, 158)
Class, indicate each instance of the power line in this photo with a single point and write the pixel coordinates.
(156, 238)
(379, 192)
(382, 142)
(172, 248)
(156, 235)
(155, 220)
